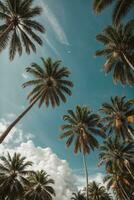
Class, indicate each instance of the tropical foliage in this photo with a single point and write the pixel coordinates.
(78, 196)
(81, 128)
(120, 183)
(118, 117)
(19, 183)
(19, 28)
(40, 187)
(119, 51)
(116, 154)
(98, 192)
(13, 172)
(50, 86)
(121, 8)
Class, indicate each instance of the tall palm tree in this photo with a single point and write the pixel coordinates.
(78, 196)
(119, 51)
(19, 26)
(81, 127)
(50, 85)
(118, 154)
(119, 117)
(121, 7)
(13, 172)
(98, 192)
(119, 183)
(40, 187)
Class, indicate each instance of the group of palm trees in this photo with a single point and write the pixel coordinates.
(18, 182)
(51, 85)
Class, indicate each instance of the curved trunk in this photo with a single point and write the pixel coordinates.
(8, 29)
(9, 128)
(128, 61)
(86, 174)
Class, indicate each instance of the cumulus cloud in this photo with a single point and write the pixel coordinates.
(98, 177)
(43, 158)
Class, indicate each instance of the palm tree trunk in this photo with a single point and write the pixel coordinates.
(8, 29)
(86, 174)
(124, 192)
(9, 128)
(128, 61)
(132, 136)
(126, 165)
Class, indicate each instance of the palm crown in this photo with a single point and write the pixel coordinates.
(40, 187)
(78, 196)
(97, 192)
(12, 175)
(50, 84)
(121, 7)
(81, 126)
(119, 51)
(117, 154)
(19, 26)
(119, 117)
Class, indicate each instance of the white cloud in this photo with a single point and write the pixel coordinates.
(98, 177)
(16, 136)
(54, 23)
(43, 158)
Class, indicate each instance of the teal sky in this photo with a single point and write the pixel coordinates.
(71, 27)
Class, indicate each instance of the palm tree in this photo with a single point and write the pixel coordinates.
(119, 51)
(119, 183)
(19, 26)
(119, 117)
(98, 192)
(81, 127)
(50, 85)
(78, 196)
(40, 187)
(13, 172)
(118, 154)
(120, 10)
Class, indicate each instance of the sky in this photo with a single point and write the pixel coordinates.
(71, 27)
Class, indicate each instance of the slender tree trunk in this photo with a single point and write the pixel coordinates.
(127, 166)
(8, 29)
(128, 61)
(124, 192)
(132, 136)
(86, 174)
(9, 128)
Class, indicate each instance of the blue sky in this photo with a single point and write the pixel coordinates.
(71, 27)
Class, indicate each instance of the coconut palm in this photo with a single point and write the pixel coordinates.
(120, 184)
(78, 196)
(19, 27)
(81, 127)
(118, 117)
(119, 51)
(98, 192)
(13, 172)
(121, 8)
(40, 187)
(50, 86)
(118, 154)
